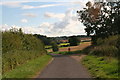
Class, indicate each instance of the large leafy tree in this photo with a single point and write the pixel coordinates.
(101, 19)
(74, 41)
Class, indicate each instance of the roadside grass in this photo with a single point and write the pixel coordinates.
(29, 69)
(101, 67)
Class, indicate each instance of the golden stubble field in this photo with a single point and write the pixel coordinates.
(74, 48)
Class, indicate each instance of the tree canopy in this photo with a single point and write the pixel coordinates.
(101, 19)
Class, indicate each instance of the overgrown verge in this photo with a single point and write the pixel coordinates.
(107, 47)
(29, 69)
(101, 67)
(18, 48)
(102, 60)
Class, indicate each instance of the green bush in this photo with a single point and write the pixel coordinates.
(105, 50)
(18, 48)
(74, 41)
(54, 46)
(107, 47)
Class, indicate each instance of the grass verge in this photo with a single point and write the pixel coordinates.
(29, 69)
(101, 67)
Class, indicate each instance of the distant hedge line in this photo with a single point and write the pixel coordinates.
(18, 48)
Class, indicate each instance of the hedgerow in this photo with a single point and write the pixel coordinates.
(18, 48)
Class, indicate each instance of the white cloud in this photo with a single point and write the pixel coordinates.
(53, 15)
(25, 29)
(24, 20)
(41, 6)
(13, 3)
(45, 24)
(20, 4)
(30, 14)
(68, 25)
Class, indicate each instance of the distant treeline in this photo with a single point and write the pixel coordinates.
(47, 40)
(18, 48)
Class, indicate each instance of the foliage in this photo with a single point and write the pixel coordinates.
(18, 48)
(104, 22)
(102, 67)
(29, 69)
(54, 46)
(74, 41)
(44, 39)
(107, 47)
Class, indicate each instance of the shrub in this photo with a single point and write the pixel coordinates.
(107, 47)
(105, 51)
(74, 41)
(54, 46)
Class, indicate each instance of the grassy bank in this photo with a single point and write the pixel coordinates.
(101, 67)
(29, 69)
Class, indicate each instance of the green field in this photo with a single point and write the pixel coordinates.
(61, 45)
(101, 67)
(29, 69)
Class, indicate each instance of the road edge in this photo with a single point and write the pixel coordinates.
(38, 73)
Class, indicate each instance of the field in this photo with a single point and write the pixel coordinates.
(73, 48)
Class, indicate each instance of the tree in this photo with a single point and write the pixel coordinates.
(74, 41)
(45, 39)
(54, 46)
(101, 19)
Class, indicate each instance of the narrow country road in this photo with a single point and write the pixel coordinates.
(64, 67)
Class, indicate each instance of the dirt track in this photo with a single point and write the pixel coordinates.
(74, 48)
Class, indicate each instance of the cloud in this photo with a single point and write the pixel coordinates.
(13, 3)
(67, 26)
(53, 15)
(41, 6)
(25, 29)
(30, 14)
(20, 4)
(24, 20)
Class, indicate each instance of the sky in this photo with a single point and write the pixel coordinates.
(46, 17)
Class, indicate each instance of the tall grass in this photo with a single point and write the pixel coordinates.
(107, 47)
(102, 67)
(30, 69)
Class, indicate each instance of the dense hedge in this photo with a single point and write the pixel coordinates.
(18, 48)
(107, 47)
